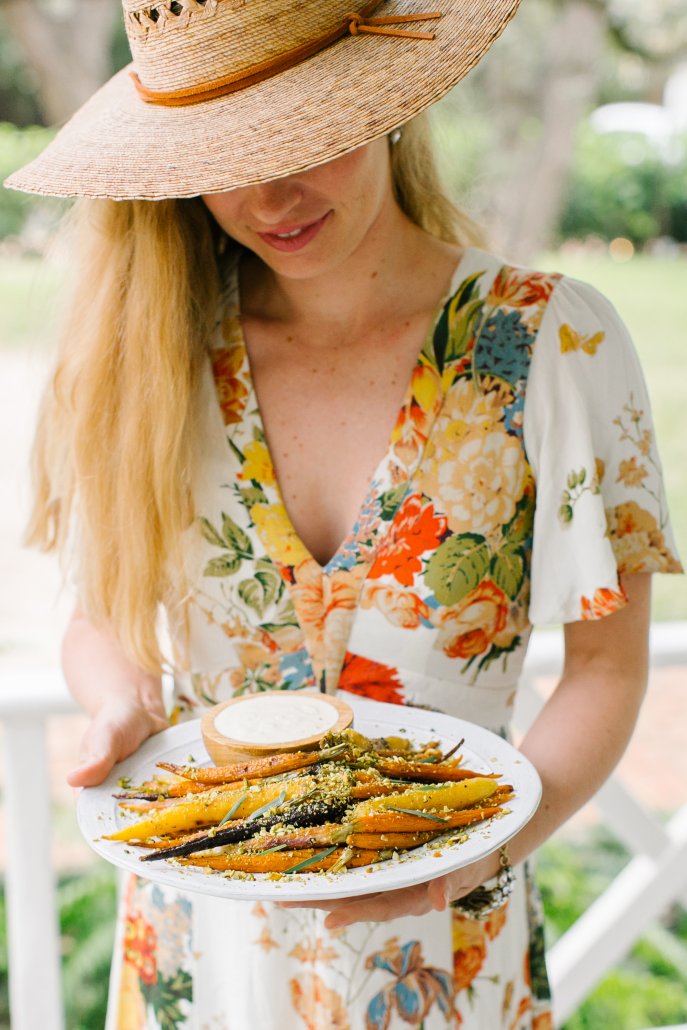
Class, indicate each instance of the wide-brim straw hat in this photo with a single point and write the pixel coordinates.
(228, 93)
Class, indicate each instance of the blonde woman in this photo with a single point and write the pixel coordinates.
(300, 414)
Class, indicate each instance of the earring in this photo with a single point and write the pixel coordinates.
(395, 136)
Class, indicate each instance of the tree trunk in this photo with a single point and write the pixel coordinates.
(67, 45)
(537, 133)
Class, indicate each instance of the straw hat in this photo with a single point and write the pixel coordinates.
(225, 93)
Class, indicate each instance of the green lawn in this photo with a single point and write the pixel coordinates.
(650, 294)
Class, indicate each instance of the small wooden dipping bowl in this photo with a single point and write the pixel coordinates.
(224, 749)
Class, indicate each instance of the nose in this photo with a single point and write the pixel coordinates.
(273, 202)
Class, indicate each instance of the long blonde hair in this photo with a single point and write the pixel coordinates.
(117, 439)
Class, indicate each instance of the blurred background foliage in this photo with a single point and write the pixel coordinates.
(522, 147)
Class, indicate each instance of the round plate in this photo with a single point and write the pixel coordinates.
(482, 751)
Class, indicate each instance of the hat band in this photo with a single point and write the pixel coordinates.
(353, 24)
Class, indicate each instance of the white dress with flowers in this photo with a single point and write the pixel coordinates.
(521, 476)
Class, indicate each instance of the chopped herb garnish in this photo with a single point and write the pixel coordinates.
(310, 861)
(234, 808)
(124, 782)
(268, 851)
(414, 811)
(267, 807)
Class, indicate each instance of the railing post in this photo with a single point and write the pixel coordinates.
(34, 970)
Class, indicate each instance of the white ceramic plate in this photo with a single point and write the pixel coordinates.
(482, 751)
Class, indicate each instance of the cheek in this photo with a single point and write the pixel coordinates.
(224, 208)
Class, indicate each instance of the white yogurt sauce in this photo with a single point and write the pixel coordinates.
(275, 720)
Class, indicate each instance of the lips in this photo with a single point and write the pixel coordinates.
(289, 238)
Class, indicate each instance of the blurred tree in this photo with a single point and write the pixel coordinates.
(67, 44)
(555, 63)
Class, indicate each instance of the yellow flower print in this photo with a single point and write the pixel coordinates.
(630, 473)
(277, 535)
(426, 386)
(258, 464)
(571, 340)
(479, 480)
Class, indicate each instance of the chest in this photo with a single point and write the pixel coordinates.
(328, 409)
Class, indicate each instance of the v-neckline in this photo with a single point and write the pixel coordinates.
(426, 352)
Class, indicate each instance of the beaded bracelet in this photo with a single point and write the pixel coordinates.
(481, 902)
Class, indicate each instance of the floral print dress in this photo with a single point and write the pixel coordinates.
(521, 477)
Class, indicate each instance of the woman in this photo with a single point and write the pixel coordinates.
(339, 446)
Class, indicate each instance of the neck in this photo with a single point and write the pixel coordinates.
(358, 291)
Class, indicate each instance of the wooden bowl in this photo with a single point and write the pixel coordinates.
(225, 744)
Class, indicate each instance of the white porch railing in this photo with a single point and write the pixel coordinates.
(653, 879)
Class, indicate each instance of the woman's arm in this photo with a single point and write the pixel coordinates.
(575, 743)
(125, 703)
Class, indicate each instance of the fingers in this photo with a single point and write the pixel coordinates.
(91, 771)
(114, 733)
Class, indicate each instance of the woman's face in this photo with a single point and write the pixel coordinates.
(309, 223)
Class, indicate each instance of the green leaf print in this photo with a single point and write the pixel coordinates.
(508, 569)
(457, 567)
(165, 996)
(224, 566)
(210, 533)
(235, 538)
(391, 500)
(271, 582)
(519, 529)
(251, 593)
(251, 495)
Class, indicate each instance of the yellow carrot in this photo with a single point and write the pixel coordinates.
(454, 796)
(209, 808)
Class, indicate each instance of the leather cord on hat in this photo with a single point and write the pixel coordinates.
(353, 24)
(378, 26)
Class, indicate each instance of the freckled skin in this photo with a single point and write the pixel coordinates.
(334, 329)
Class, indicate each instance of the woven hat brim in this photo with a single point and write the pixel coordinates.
(358, 89)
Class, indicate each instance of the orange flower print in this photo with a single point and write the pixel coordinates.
(469, 628)
(544, 1021)
(521, 289)
(400, 607)
(604, 602)
(414, 989)
(317, 1004)
(415, 530)
(630, 473)
(412, 426)
(140, 943)
(266, 941)
(469, 950)
(310, 951)
(226, 364)
(371, 679)
(645, 442)
(496, 921)
(259, 668)
(637, 540)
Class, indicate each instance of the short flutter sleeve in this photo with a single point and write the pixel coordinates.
(600, 502)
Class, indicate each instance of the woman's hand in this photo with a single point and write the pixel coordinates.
(115, 732)
(434, 895)
(124, 702)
